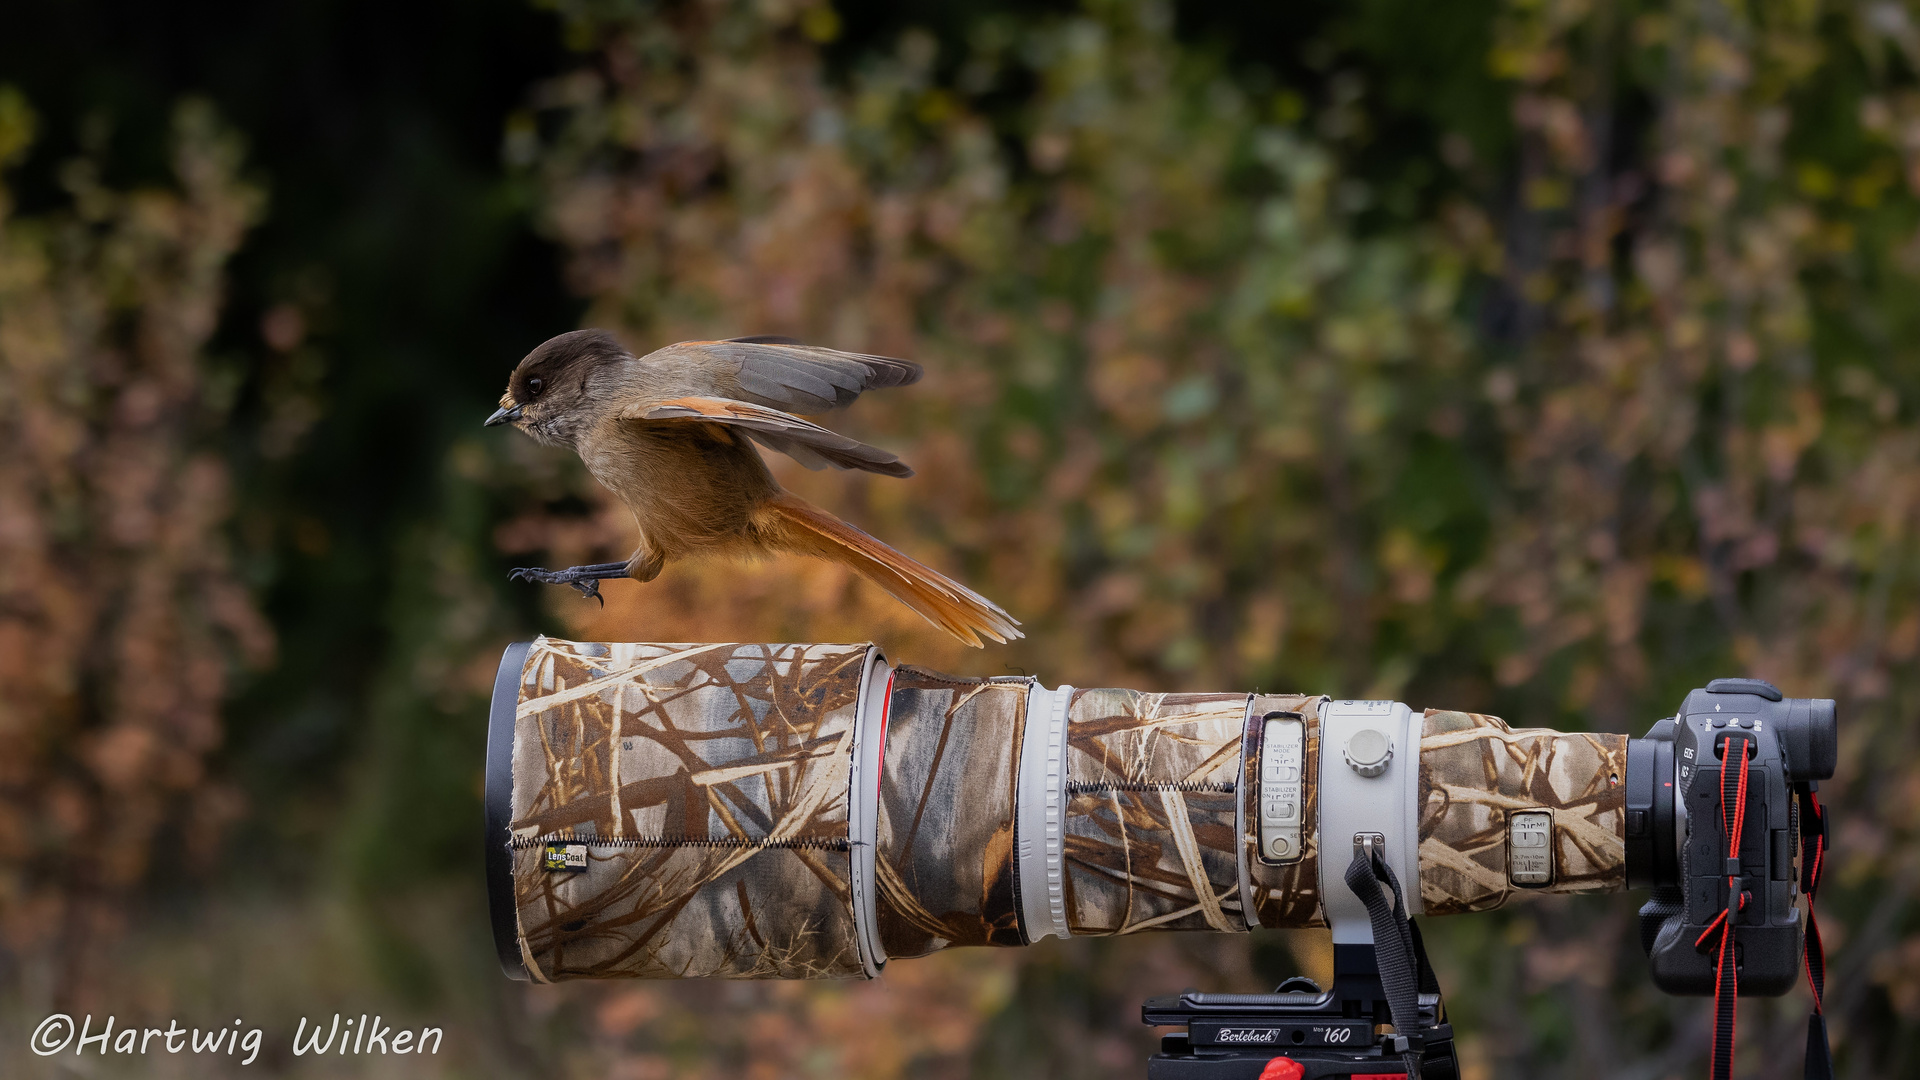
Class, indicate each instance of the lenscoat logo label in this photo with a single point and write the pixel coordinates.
(1249, 1035)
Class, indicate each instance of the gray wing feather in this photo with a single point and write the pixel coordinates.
(795, 377)
(806, 442)
(798, 451)
(792, 386)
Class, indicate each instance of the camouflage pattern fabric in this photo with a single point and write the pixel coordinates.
(711, 784)
(947, 863)
(1284, 894)
(1151, 838)
(1474, 771)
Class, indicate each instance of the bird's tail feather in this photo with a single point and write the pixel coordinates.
(947, 604)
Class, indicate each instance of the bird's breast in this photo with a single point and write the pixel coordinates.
(689, 485)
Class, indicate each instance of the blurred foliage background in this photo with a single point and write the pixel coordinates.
(1540, 357)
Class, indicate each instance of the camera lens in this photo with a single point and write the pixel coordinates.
(809, 811)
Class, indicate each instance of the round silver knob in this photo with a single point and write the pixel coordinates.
(1368, 751)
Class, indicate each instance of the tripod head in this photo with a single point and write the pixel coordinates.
(1301, 1032)
(1328, 1033)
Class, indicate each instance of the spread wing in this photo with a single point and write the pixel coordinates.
(780, 373)
(802, 440)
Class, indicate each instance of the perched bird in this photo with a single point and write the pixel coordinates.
(669, 434)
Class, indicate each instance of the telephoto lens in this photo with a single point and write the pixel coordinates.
(791, 811)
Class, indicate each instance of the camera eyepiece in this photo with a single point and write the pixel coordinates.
(1812, 739)
(1808, 734)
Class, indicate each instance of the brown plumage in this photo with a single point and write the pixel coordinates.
(672, 433)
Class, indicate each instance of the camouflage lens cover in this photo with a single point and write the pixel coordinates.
(683, 810)
(709, 784)
(948, 793)
(1153, 784)
(1476, 773)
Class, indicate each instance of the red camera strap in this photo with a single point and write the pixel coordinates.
(1813, 851)
(1813, 857)
(1726, 990)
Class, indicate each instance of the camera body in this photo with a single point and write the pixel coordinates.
(1678, 842)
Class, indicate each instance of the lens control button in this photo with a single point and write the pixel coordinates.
(1636, 823)
(1368, 751)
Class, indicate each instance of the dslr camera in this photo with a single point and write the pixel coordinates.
(1679, 832)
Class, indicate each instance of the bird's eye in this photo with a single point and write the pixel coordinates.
(534, 385)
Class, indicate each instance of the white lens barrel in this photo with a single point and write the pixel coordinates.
(1042, 814)
(1369, 783)
(863, 807)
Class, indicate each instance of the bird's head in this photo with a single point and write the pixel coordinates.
(550, 394)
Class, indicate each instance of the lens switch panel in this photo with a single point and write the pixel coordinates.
(1530, 848)
(1283, 759)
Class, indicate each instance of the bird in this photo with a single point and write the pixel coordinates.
(672, 434)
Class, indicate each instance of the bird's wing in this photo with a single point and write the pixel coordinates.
(781, 373)
(802, 440)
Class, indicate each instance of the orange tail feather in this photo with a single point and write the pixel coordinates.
(801, 527)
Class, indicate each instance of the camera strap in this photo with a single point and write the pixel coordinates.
(1397, 948)
(1813, 851)
(1733, 817)
(1812, 821)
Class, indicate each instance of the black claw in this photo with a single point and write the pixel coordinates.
(584, 578)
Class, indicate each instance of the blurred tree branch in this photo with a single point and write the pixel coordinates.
(120, 613)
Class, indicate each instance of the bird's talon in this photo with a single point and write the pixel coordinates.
(579, 577)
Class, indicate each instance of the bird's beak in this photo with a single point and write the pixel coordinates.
(504, 416)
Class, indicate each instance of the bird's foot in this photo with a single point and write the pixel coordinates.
(584, 578)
